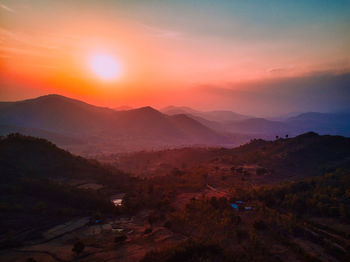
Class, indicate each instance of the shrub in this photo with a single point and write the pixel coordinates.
(78, 247)
(259, 225)
(119, 239)
(148, 230)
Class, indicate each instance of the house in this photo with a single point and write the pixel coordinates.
(235, 206)
(238, 206)
(117, 200)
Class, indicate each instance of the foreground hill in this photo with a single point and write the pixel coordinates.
(305, 155)
(40, 187)
(29, 157)
(209, 206)
(103, 129)
(59, 138)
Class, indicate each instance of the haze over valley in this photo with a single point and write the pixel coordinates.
(90, 130)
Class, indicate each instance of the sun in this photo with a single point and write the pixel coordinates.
(105, 66)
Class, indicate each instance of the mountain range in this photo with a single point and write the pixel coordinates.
(93, 128)
(87, 129)
(334, 123)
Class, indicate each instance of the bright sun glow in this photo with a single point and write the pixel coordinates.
(105, 66)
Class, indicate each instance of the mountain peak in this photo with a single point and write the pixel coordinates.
(50, 97)
(146, 109)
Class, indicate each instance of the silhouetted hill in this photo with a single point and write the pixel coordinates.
(51, 136)
(258, 126)
(40, 187)
(103, 128)
(216, 115)
(324, 123)
(55, 113)
(227, 121)
(122, 108)
(305, 155)
(90, 130)
(196, 131)
(29, 157)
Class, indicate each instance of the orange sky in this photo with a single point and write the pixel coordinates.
(46, 50)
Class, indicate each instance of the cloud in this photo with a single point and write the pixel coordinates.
(43, 41)
(281, 70)
(22, 51)
(320, 91)
(162, 33)
(6, 8)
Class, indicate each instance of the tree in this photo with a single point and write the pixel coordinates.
(261, 171)
(287, 136)
(78, 247)
(119, 239)
(153, 217)
(259, 225)
(148, 230)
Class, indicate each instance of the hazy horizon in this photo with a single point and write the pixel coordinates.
(180, 106)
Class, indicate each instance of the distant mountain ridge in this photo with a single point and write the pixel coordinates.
(123, 108)
(136, 129)
(88, 129)
(337, 123)
(215, 115)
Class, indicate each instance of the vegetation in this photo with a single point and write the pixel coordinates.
(281, 216)
(120, 239)
(37, 186)
(326, 196)
(268, 221)
(78, 247)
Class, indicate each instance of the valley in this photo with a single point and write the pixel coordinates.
(93, 131)
(211, 203)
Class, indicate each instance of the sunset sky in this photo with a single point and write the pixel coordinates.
(253, 57)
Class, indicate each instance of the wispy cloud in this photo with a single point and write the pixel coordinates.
(26, 39)
(13, 50)
(318, 91)
(162, 33)
(280, 70)
(6, 8)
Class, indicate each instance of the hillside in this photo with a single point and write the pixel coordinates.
(259, 126)
(325, 123)
(55, 113)
(296, 124)
(40, 186)
(215, 115)
(103, 129)
(304, 155)
(60, 139)
(278, 200)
